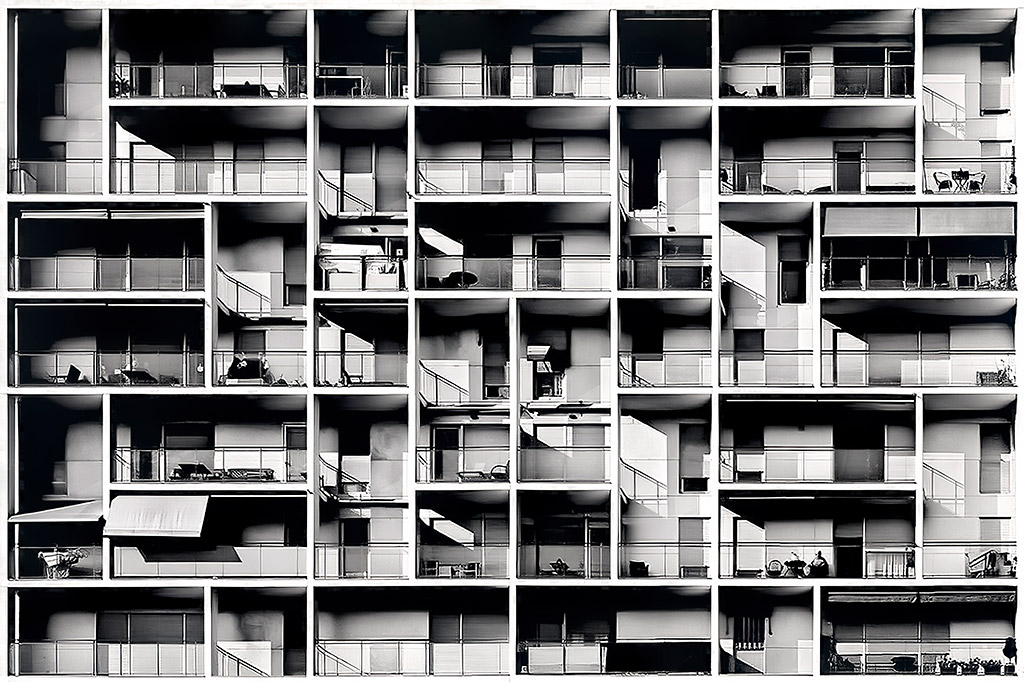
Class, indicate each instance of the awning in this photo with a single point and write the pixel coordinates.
(870, 221)
(873, 597)
(1000, 596)
(179, 516)
(955, 221)
(84, 512)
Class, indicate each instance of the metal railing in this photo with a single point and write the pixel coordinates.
(569, 658)
(524, 176)
(817, 176)
(793, 559)
(969, 175)
(336, 201)
(354, 657)
(953, 656)
(379, 560)
(516, 81)
(57, 562)
(942, 488)
(476, 560)
(264, 560)
(870, 273)
(208, 176)
(665, 272)
(362, 273)
(241, 298)
(107, 273)
(456, 382)
(582, 560)
(276, 80)
(565, 463)
(516, 273)
(808, 464)
(775, 367)
(110, 368)
(588, 382)
(958, 559)
(466, 463)
(682, 559)
(50, 176)
(362, 80)
(664, 82)
(376, 479)
(230, 665)
(340, 368)
(667, 368)
(86, 657)
(944, 112)
(818, 80)
(223, 464)
(917, 368)
(279, 368)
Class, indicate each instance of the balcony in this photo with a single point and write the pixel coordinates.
(360, 368)
(234, 464)
(85, 657)
(953, 656)
(56, 562)
(361, 344)
(875, 175)
(355, 657)
(664, 559)
(793, 559)
(564, 560)
(258, 560)
(667, 368)
(386, 81)
(911, 273)
(517, 273)
(514, 81)
(781, 464)
(665, 272)
(107, 368)
(269, 368)
(564, 463)
(361, 54)
(244, 79)
(280, 176)
(107, 273)
(525, 176)
(377, 560)
(766, 367)
(463, 463)
(818, 80)
(663, 82)
(969, 175)
(360, 272)
(476, 560)
(969, 559)
(911, 367)
(64, 176)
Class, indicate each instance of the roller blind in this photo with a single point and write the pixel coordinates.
(951, 221)
(871, 221)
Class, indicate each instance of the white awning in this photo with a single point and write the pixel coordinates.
(338, 249)
(957, 221)
(84, 512)
(178, 516)
(870, 221)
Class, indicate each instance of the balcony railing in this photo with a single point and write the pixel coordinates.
(952, 656)
(516, 273)
(360, 368)
(229, 665)
(362, 273)
(379, 560)
(819, 80)
(486, 560)
(107, 273)
(57, 562)
(464, 464)
(664, 559)
(766, 368)
(969, 559)
(362, 80)
(775, 559)
(781, 464)
(110, 368)
(353, 657)
(515, 81)
(970, 175)
(213, 79)
(86, 657)
(209, 176)
(665, 272)
(818, 176)
(584, 381)
(663, 82)
(541, 560)
(279, 368)
(591, 658)
(871, 273)
(917, 368)
(525, 176)
(225, 464)
(457, 382)
(667, 368)
(249, 561)
(565, 463)
(64, 176)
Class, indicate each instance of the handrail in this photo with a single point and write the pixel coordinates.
(431, 187)
(957, 107)
(263, 299)
(321, 650)
(463, 393)
(635, 380)
(659, 486)
(364, 206)
(238, 662)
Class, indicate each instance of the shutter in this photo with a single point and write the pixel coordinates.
(995, 445)
(890, 221)
(952, 221)
(157, 628)
(445, 627)
(793, 249)
(485, 627)
(112, 627)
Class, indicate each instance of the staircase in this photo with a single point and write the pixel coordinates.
(238, 298)
(335, 201)
(427, 187)
(943, 489)
(439, 390)
(230, 665)
(641, 488)
(330, 665)
(339, 486)
(633, 380)
(944, 113)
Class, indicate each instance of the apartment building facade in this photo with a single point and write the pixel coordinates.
(604, 340)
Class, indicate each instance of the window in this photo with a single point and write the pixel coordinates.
(995, 76)
(995, 459)
(749, 344)
(750, 633)
(793, 255)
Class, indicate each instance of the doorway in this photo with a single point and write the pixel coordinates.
(796, 73)
(557, 71)
(848, 539)
(849, 157)
(547, 254)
